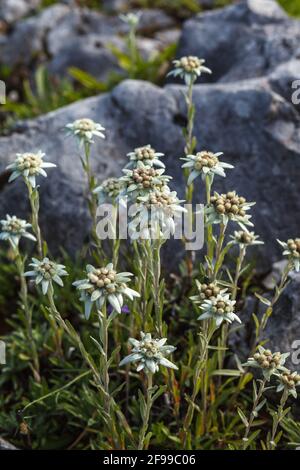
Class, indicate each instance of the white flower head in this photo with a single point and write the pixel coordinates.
(149, 354)
(269, 363)
(85, 129)
(13, 229)
(45, 272)
(205, 164)
(219, 308)
(140, 181)
(156, 214)
(104, 285)
(189, 68)
(109, 190)
(226, 207)
(292, 250)
(207, 291)
(29, 165)
(288, 381)
(146, 155)
(132, 19)
(244, 238)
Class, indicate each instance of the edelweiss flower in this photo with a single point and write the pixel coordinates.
(205, 164)
(220, 308)
(147, 155)
(292, 250)
(140, 181)
(226, 207)
(13, 229)
(29, 165)
(189, 68)
(207, 292)
(270, 363)
(288, 380)
(109, 190)
(104, 285)
(149, 354)
(156, 213)
(245, 238)
(85, 129)
(132, 19)
(45, 272)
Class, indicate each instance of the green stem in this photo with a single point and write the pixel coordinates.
(239, 264)
(104, 363)
(278, 418)
(219, 250)
(20, 262)
(209, 241)
(253, 412)
(146, 414)
(201, 364)
(35, 207)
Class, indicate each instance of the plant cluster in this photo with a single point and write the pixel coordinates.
(79, 358)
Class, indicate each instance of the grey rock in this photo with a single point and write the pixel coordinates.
(4, 445)
(245, 40)
(257, 130)
(13, 10)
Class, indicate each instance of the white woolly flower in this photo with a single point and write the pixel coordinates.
(205, 164)
(45, 272)
(104, 285)
(132, 19)
(146, 155)
(140, 181)
(13, 229)
(29, 165)
(206, 292)
(292, 250)
(189, 68)
(155, 214)
(245, 238)
(85, 129)
(226, 207)
(269, 363)
(109, 190)
(288, 381)
(219, 308)
(149, 354)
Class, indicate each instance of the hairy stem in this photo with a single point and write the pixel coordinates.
(146, 414)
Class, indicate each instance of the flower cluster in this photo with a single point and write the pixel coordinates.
(205, 164)
(149, 354)
(270, 363)
(29, 165)
(85, 129)
(229, 206)
(292, 250)
(142, 180)
(104, 285)
(109, 190)
(288, 381)
(206, 292)
(220, 308)
(132, 19)
(245, 238)
(147, 155)
(189, 68)
(157, 212)
(13, 229)
(46, 271)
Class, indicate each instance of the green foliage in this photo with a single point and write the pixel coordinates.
(291, 6)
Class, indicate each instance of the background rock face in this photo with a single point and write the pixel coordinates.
(257, 130)
(242, 41)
